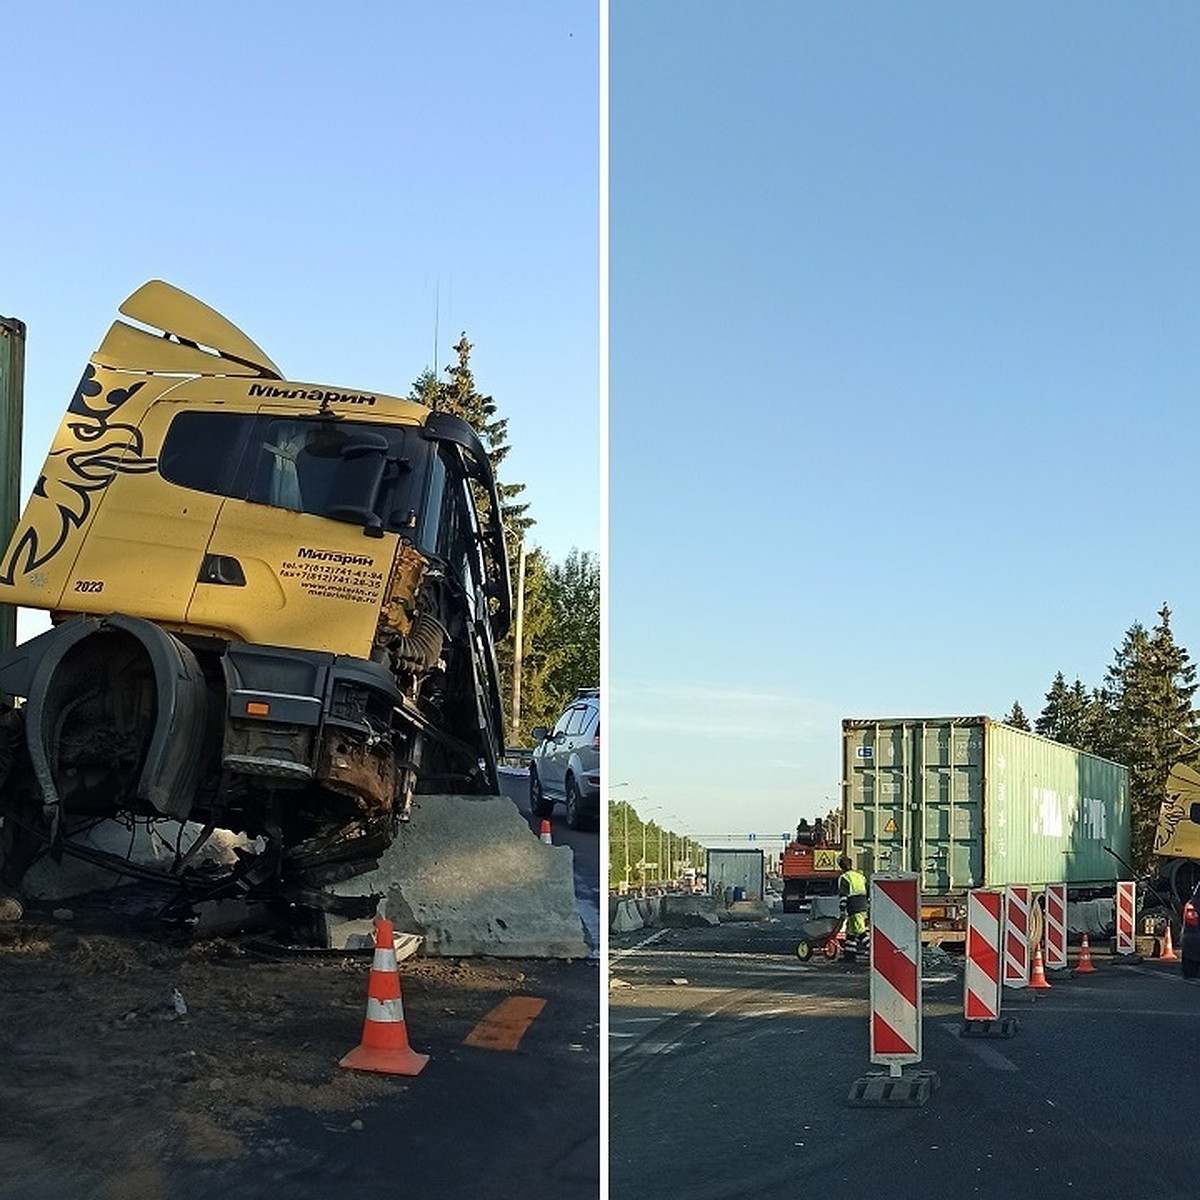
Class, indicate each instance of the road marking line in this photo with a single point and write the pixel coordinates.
(993, 1058)
(505, 1026)
(617, 955)
(658, 1047)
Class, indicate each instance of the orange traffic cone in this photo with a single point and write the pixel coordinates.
(1084, 966)
(384, 1045)
(546, 833)
(1037, 977)
(1167, 951)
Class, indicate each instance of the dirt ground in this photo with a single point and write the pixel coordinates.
(108, 1088)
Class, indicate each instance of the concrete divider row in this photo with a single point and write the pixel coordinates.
(633, 913)
(628, 914)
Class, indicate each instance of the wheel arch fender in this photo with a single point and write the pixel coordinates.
(170, 766)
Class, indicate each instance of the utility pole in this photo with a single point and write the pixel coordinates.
(627, 845)
(12, 399)
(518, 647)
(642, 866)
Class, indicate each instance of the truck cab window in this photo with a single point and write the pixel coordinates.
(342, 470)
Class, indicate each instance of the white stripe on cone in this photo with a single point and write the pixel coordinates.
(385, 1011)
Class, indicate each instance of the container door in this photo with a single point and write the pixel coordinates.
(879, 781)
(948, 823)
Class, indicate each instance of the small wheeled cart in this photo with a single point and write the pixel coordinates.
(826, 936)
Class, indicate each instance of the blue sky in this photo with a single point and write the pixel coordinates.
(339, 185)
(904, 374)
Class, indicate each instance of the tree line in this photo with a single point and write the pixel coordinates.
(560, 629)
(641, 852)
(1141, 715)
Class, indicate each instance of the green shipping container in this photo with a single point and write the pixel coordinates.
(970, 802)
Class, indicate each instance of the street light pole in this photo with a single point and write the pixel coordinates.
(612, 788)
(627, 845)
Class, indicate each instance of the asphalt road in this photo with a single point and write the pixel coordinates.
(731, 1064)
(504, 1125)
(102, 1096)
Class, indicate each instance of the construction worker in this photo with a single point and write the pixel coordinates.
(852, 891)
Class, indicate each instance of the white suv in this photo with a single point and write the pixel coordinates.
(565, 767)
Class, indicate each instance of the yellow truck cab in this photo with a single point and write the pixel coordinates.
(275, 604)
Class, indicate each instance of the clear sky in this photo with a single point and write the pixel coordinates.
(905, 323)
(343, 183)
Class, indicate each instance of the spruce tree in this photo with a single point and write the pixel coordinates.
(1050, 720)
(459, 395)
(1017, 718)
(573, 637)
(1152, 724)
(1079, 724)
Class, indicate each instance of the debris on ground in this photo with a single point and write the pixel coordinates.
(934, 959)
(183, 1050)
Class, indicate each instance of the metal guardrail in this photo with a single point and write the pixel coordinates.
(516, 756)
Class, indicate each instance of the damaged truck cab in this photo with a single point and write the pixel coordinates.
(275, 605)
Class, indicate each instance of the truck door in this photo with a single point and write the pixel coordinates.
(287, 563)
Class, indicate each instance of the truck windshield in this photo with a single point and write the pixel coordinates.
(364, 473)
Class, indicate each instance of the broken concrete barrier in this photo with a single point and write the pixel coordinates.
(746, 910)
(469, 876)
(48, 879)
(685, 911)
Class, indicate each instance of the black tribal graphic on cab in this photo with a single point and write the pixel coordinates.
(1171, 813)
(103, 448)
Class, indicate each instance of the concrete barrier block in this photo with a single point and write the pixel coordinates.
(684, 911)
(47, 879)
(469, 876)
(627, 918)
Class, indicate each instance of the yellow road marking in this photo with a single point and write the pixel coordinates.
(505, 1026)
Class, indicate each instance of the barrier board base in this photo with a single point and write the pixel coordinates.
(1004, 1027)
(880, 1090)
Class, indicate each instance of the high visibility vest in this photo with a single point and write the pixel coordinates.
(853, 885)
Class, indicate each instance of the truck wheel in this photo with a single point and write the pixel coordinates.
(539, 805)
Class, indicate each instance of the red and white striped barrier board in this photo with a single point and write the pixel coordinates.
(1056, 926)
(981, 977)
(1126, 900)
(895, 969)
(1016, 936)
